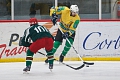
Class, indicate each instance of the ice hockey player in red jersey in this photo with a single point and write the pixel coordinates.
(41, 38)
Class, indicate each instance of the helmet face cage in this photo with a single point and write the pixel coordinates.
(33, 21)
(74, 8)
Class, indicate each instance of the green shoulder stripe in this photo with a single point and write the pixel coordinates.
(60, 8)
(76, 23)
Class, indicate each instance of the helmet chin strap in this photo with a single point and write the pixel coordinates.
(70, 13)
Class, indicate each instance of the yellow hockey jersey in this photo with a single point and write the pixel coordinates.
(67, 23)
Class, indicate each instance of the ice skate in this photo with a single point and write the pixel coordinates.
(61, 58)
(46, 61)
(51, 67)
(25, 70)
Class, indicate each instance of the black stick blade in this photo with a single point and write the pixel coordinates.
(77, 67)
(66, 64)
(88, 63)
(80, 67)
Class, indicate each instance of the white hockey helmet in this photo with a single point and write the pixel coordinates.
(74, 8)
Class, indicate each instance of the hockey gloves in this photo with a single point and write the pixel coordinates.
(65, 35)
(54, 18)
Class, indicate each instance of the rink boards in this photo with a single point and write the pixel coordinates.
(95, 40)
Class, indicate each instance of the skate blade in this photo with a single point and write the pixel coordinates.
(60, 63)
(25, 72)
(50, 70)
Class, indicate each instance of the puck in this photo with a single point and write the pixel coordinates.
(87, 65)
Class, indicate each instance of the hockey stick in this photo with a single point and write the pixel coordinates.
(76, 51)
(65, 63)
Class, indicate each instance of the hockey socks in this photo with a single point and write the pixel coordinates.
(67, 46)
(50, 56)
(29, 58)
(56, 45)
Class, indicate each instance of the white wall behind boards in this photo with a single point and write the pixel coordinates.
(99, 38)
(93, 39)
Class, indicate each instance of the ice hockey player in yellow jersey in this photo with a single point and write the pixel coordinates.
(69, 20)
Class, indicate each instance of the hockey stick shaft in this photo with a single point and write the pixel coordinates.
(65, 63)
(78, 54)
(76, 51)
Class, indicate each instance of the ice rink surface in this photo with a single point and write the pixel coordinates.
(101, 70)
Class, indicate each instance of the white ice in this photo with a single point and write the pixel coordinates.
(101, 70)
